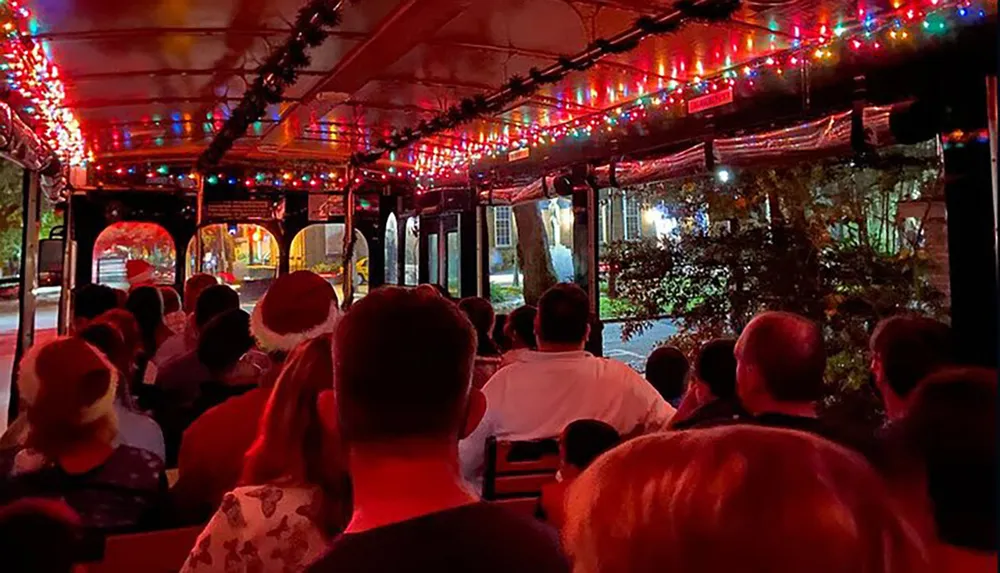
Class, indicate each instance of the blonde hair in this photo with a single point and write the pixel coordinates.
(292, 445)
(738, 498)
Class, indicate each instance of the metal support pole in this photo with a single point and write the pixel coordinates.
(593, 288)
(29, 280)
(199, 249)
(68, 269)
(482, 253)
(348, 256)
(992, 96)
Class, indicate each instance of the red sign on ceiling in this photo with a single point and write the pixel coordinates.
(708, 101)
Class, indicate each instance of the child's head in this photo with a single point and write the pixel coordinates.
(582, 442)
(40, 536)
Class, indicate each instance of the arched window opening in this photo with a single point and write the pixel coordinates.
(133, 240)
(320, 249)
(242, 255)
(391, 250)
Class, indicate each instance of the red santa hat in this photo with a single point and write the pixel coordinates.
(139, 272)
(298, 307)
(69, 388)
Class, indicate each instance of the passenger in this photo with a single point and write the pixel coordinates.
(121, 295)
(667, 370)
(294, 478)
(91, 301)
(560, 383)
(135, 428)
(186, 340)
(41, 536)
(780, 363)
(736, 498)
(193, 287)
(580, 444)
(403, 390)
(713, 388)
(435, 289)
(173, 314)
(146, 305)
(73, 449)
(520, 331)
(948, 443)
(180, 379)
(905, 350)
(126, 325)
(297, 307)
(480, 313)
(224, 342)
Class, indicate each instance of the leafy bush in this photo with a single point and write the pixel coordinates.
(821, 240)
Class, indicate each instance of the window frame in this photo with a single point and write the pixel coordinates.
(507, 226)
(626, 202)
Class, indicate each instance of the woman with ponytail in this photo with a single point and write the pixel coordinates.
(295, 492)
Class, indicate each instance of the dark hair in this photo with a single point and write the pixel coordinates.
(481, 315)
(193, 287)
(585, 440)
(40, 536)
(666, 370)
(225, 339)
(93, 300)
(716, 367)
(787, 350)
(408, 380)
(910, 348)
(950, 432)
(214, 301)
(109, 340)
(563, 314)
(146, 305)
(171, 300)
(522, 323)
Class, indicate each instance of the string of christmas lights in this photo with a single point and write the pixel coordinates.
(870, 31)
(175, 176)
(41, 95)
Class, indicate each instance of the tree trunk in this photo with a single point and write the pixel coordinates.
(533, 254)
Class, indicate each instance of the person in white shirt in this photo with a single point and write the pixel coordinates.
(560, 383)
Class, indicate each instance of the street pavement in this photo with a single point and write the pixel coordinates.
(45, 328)
(634, 351)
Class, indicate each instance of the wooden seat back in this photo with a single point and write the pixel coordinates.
(153, 552)
(516, 471)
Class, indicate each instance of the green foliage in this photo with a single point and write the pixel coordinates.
(10, 219)
(822, 240)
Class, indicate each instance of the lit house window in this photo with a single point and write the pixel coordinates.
(632, 227)
(502, 226)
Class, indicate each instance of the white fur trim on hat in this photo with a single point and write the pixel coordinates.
(141, 278)
(28, 384)
(271, 341)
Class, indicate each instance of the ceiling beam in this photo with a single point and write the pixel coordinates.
(127, 33)
(435, 83)
(542, 55)
(409, 24)
(76, 78)
(105, 103)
